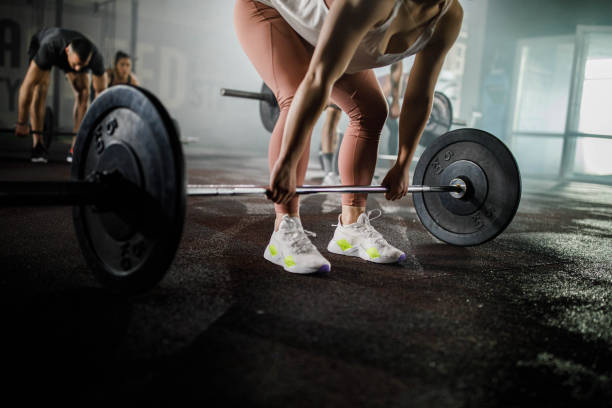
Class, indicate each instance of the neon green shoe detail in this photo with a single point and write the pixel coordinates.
(373, 252)
(289, 261)
(344, 244)
(273, 250)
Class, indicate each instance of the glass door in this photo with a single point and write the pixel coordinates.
(587, 150)
(541, 91)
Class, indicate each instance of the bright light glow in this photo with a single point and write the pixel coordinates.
(595, 114)
(593, 156)
(544, 83)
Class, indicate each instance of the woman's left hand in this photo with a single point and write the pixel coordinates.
(397, 182)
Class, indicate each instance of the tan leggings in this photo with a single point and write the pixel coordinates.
(281, 57)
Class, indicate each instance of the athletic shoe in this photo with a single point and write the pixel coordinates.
(362, 240)
(331, 179)
(290, 248)
(39, 154)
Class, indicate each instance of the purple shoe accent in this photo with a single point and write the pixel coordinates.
(402, 258)
(324, 268)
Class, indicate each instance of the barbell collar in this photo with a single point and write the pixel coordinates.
(222, 190)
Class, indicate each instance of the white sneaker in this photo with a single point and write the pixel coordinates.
(290, 248)
(331, 179)
(362, 240)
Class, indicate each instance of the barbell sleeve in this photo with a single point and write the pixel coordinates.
(236, 93)
(221, 189)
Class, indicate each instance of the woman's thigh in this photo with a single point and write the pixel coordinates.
(278, 53)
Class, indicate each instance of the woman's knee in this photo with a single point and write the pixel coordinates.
(284, 101)
(373, 115)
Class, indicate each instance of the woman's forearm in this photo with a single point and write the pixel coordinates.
(413, 119)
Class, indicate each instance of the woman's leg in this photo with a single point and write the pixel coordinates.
(360, 96)
(281, 58)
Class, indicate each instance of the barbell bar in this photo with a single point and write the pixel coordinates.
(128, 189)
(220, 189)
(102, 188)
(237, 93)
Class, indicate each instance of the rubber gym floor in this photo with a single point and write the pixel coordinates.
(524, 320)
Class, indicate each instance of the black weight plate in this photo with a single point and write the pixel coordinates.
(489, 216)
(127, 129)
(49, 128)
(440, 119)
(177, 128)
(268, 111)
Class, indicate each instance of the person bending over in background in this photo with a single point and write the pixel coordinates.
(74, 54)
(329, 142)
(392, 90)
(311, 51)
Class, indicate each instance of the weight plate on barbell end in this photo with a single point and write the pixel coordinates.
(494, 187)
(440, 119)
(268, 112)
(128, 130)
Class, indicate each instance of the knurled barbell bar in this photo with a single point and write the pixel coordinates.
(128, 189)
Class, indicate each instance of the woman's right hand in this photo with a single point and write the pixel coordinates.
(282, 182)
(22, 130)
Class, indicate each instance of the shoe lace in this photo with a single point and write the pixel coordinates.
(299, 241)
(368, 230)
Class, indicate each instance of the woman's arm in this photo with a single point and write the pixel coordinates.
(418, 97)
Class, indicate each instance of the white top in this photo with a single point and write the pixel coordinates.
(306, 17)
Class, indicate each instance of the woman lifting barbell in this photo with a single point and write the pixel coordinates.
(310, 51)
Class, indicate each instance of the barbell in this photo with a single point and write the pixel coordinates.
(128, 189)
(438, 123)
(48, 132)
